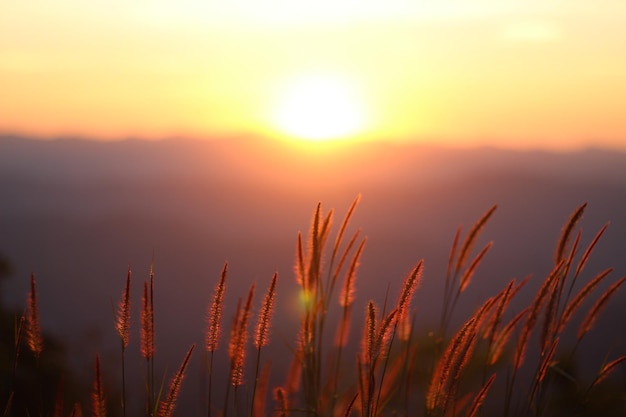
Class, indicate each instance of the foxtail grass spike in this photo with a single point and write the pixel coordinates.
(468, 243)
(239, 349)
(369, 336)
(215, 313)
(166, 408)
(567, 231)
(343, 258)
(299, 268)
(589, 250)
(265, 316)
(469, 272)
(122, 320)
(33, 329)
(344, 225)
(502, 338)
(347, 293)
(599, 305)
(575, 303)
(533, 313)
(145, 335)
(503, 302)
(411, 283)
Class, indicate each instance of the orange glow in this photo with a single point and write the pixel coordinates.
(516, 73)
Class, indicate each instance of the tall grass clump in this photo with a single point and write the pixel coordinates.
(505, 358)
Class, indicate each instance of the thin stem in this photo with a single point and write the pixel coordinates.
(256, 378)
(123, 381)
(210, 382)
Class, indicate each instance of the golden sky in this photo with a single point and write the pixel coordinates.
(533, 73)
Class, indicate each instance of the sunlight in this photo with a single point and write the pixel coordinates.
(319, 108)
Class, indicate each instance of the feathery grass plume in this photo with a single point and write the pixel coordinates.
(33, 329)
(369, 334)
(575, 303)
(339, 238)
(280, 396)
(455, 358)
(404, 328)
(122, 325)
(469, 272)
(366, 362)
(447, 366)
(468, 243)
(570, 258)
(265, 315)
(215, 313)
(314, 252)
(504, 299)
(567, 231)
(239, 350)
(589, 250)
(480, 397)
(152, 310)
(533, 313)
(299, 267)
(342, 260)
(411, 283)
(344, 225)
(375, 340)
(595, 310)
(122, 319)
(325, 231)
(98, 402)
(383, 335)
(501, 338)
(261, 339)
(166, 408)
(214, 327)
(548, 330)
(146, 336)
(347, 293)
(606, 371)
(234, 331)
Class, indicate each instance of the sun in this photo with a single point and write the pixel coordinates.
(319, 108)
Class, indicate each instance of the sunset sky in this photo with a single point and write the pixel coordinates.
(533, 73)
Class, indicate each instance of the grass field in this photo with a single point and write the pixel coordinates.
(499, 362)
